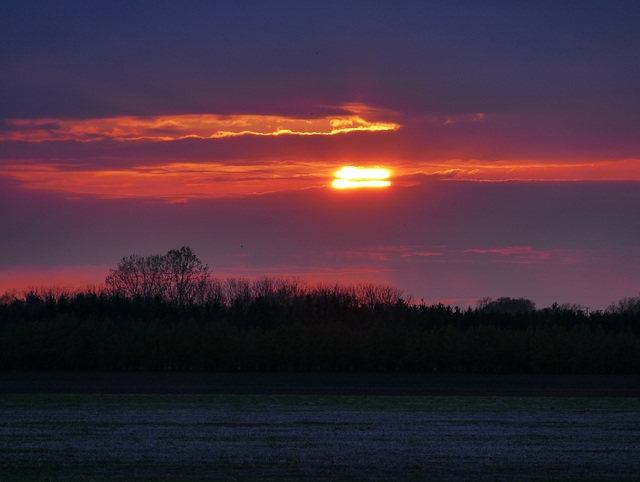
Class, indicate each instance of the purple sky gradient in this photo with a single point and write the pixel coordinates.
(542, 98)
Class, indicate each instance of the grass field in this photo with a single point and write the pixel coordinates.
(320, 437)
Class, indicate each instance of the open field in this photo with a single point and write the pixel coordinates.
(321, 437)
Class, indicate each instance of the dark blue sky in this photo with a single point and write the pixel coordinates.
(113, 58)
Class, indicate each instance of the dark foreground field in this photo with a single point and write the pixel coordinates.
(321, 427)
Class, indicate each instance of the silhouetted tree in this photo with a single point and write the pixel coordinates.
(138, 276)
(629, 305)
(187, 276)
(371, 295)
(510, 305)
(178, 275)
(483, 302)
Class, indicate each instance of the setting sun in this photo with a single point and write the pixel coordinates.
(352, 177)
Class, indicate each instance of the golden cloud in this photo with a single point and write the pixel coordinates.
(204, 126)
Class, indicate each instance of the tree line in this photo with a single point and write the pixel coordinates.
(167, 312)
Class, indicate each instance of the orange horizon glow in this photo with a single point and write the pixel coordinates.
(22, 279)
(356, 177)
(346, 183)
(19, 280)
(181, 181)
(174, 182)
(180, 176)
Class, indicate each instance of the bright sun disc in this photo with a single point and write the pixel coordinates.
(350, 176)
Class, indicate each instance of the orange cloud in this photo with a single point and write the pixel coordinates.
(385, 253)
(444, 254)
(515, 253)
(523, 170)
(461, 118)
(204, 126)
(529, 255)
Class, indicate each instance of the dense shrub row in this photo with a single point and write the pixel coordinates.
(274, 324)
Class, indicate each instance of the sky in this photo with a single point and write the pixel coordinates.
(509, 131)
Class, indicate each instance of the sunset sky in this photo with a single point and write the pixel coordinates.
(510, 131)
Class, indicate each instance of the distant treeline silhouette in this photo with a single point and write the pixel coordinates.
(166, 312)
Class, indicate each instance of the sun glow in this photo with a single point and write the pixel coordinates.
(353, 177)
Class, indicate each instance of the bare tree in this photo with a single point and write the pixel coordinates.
(178, 275)
(371, 294)
(627, 305)
(188, 276)
(483, 302)
(138, 276)
(124, 279)
(238, 291)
